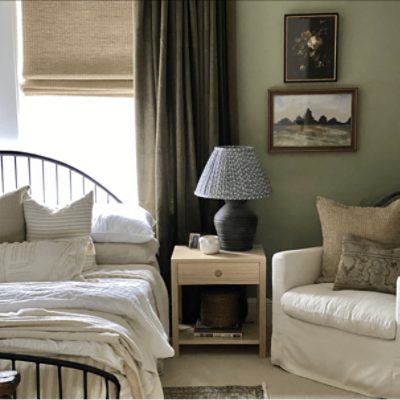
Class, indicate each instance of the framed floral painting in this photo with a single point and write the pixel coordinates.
(312, 120)
(311, 47)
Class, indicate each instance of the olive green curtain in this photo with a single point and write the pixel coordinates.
(182, 110)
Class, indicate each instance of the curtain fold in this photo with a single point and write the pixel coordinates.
(182, 110)
(77, 47)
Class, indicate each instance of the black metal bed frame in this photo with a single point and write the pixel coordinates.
(45, 163)
(39, 360)
(10, 164)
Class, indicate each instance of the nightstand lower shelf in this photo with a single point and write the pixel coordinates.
(250, 337)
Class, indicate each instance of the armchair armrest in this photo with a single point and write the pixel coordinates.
(398, 301)
(290, 269)
(295, 268)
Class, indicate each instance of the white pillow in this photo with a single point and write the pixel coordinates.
(119, 224)
(72, 221)
(42, 261)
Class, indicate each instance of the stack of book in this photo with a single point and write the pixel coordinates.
(201, 330)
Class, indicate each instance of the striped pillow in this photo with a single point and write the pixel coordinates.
(71, 221)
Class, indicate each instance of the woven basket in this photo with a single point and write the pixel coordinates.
(220, 306)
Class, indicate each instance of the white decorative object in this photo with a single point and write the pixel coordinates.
(209, 244)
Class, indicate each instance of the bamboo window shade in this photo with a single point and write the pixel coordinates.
(78, 47)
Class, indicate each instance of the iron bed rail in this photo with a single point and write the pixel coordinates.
(39, 360)
(13, 170)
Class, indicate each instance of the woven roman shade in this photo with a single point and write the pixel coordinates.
(78, 47)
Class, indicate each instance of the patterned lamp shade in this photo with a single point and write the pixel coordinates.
(233, 173)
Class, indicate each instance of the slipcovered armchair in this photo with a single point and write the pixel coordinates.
(346, 338)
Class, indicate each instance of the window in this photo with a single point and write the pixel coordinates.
(94, 134)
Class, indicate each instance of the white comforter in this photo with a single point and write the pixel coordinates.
(109, 317)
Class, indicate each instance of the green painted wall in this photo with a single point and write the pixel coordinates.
(369, 58)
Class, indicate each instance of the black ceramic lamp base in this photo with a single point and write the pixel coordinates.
(236, 225)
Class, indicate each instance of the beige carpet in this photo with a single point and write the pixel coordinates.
(234, 365)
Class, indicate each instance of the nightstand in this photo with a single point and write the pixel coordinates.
(191, 267)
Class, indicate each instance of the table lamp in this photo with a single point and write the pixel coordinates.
(234, 174)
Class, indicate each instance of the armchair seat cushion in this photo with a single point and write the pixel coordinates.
(360, 312)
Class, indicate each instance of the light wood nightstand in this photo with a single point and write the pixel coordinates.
(191, 267)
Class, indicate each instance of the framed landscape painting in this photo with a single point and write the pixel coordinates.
(312, 120)
(311, 47)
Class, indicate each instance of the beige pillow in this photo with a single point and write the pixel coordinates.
(72, 221)
(367, 265)
(42, 261)
(379, 224)
(12, 225)
(127, 253)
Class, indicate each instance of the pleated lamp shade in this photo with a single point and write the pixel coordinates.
(233, 173)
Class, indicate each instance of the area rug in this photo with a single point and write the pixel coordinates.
(216, 392)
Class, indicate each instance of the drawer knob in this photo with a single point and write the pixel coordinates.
(218, 273)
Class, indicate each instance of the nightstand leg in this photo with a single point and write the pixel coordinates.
(175, 309)
(180, 303)
(262, 296)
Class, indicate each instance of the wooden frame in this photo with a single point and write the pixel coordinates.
(310, 53)
(312, 120)
(194, 240)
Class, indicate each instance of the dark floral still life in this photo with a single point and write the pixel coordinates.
(310, 48)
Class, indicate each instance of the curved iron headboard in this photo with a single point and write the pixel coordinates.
(10, 169)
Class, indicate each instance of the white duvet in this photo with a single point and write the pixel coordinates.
(112, 317)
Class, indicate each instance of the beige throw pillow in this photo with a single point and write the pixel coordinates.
(127, 253)
(367, 265)
(72, 221)
(380, 224)
(12, 222)
(42, 261)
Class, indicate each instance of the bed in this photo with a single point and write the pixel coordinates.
(100, 335)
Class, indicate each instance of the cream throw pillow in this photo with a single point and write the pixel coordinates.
(71, 221)
(127, 253)
(42, 261)
(379, 224)
(12, 223)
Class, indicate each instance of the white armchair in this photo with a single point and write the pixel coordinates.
(348, 339)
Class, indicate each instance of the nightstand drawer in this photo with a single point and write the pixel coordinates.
(218, 273)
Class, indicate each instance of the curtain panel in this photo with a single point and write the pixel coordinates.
(78, 47)
(182, 110)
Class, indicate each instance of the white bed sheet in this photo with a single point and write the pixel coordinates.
(125, 333)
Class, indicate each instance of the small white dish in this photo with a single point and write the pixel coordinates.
(209, 244)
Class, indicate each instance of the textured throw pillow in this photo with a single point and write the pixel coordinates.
(380, 224)
(71, 221)
(119, 224)
(42, 261)
(12, 223)
(367, 265)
